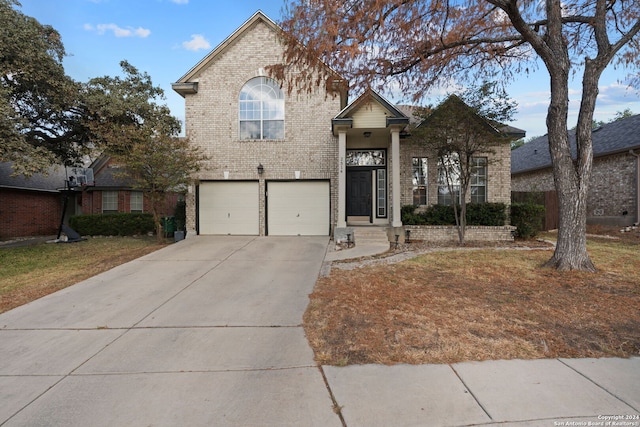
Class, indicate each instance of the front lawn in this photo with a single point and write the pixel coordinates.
(454, 306)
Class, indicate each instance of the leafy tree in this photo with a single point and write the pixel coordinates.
(622, 115)
(159, 165)
(461, 130)
(38, 102)
(518, 143)
(420, 43)
(129, 124)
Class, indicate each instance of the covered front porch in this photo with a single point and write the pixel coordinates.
(368, 132)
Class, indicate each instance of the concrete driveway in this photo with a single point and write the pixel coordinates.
(204, 332)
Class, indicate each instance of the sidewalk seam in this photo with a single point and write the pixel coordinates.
(598, 385)
(336, 408)
(472, 393)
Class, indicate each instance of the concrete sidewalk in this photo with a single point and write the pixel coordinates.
(556, 392)
(207, 332)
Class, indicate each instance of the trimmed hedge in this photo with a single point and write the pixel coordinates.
(112, 224)
(528, 218)
(484, 214)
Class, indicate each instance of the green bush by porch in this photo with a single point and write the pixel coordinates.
(478, 214)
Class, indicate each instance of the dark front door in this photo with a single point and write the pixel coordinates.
(359, 193)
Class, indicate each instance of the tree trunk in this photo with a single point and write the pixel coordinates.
(571, 185)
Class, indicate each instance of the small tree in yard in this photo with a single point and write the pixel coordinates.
(159, 165)
(465, 136)
(129, 124)
(417, 44)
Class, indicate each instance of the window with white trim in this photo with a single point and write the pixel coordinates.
(419, 176)
(261, 109)
(137, 201)
(448, 180)
(109, 201)
(478, 180)
(381, 187)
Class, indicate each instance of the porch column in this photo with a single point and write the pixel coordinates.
(341, 221)
(395, 177)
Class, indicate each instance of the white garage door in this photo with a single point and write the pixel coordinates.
(229, 208)
(298, 208)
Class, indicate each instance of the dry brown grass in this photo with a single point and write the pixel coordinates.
(447, 307)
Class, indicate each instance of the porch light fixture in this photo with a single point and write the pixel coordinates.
(367, 134)
(260, 169)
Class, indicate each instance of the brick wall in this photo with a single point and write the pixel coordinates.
(212, 122)
(498, 170)
(29, 213)
(92, 202)
(612, 189)
(444, 233)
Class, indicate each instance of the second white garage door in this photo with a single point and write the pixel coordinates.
(298, 208)
(229, 208)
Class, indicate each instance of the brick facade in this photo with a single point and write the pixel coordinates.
(443, 233)
(612, 189)
(314, 125)
(212, 122)
(29, 213)
(90, 202)
(498, 174)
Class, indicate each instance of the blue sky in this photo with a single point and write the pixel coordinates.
(165, 38)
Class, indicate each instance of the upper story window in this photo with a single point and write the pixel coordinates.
(261, 109)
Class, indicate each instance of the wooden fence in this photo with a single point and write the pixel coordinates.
(548, 199)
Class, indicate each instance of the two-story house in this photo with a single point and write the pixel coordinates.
(296, 163)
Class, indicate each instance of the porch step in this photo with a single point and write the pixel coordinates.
(368, 241)
(370, 235)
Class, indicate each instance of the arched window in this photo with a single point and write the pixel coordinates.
(261, 109)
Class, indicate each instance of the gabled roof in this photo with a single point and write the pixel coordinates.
(52, 182)
(186, 84)
(615, 137)
(107, 175)
(395, 117)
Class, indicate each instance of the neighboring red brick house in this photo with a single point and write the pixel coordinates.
(33, 206)
(30, 206)
(113, 193)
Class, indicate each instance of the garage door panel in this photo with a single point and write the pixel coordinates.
(298, 208)
(229, 208)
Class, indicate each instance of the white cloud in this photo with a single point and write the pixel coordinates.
(197, 42)
(118, 31)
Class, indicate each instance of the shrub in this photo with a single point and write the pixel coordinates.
(112, 224)
(410, 216)
(487, 214)
(527, 218)
(439, 215)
